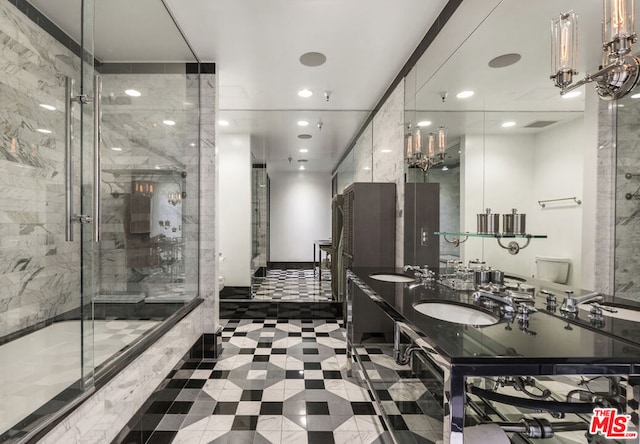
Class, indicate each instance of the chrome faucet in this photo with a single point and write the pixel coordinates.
(506, 301)
(570, 303)
(423, 274)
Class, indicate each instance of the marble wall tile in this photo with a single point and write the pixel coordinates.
(209, 250)
(40, 271)
(388, 156)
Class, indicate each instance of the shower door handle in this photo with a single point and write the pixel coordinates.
(68, 159)
(70, 99)
(97, 154)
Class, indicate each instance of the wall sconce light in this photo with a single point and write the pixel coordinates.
(421, 156)
(620, 71)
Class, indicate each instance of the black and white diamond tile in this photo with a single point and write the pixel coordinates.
(294, 285)
(275, 382)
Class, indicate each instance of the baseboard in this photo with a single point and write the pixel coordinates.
(289, 265)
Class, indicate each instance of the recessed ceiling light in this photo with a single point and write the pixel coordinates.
(44, 131)
(508, 124)
(445, 168)
(313, 59)
(571, 95)
(305, 93)
(424, 123)
(464, 94)
(169, 122)
(116, 148)
(303, 150)
(132, 92)
(301, 167)
(505, 60)
(302, 123)
(192, 144)
(223, 122)
(304, 136)
(48, 107)
(385, 150)
(636, 96)
(367, 168)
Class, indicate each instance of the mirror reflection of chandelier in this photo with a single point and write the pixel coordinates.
(144, 188)
(426, 152)
(175, 198)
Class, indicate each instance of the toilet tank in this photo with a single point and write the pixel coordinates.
(553, 269)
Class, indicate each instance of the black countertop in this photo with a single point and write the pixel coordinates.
(547, 339)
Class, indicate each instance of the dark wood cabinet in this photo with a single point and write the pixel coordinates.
(369, 225)
(421, 220)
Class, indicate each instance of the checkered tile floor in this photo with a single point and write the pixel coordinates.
(294, 285)
(275, 382)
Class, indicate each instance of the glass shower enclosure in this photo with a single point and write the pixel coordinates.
(99, 167)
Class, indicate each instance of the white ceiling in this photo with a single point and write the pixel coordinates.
(256, 45)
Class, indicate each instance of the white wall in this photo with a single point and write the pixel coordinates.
(505, 172)
(558, 173)
(505, 164)
(300, 212)
(234, 155)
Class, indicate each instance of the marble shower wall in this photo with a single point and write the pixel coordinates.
(627, 202)
(40, 272)
(143, 144)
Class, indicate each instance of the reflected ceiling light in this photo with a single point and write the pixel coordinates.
(192, 144)
(367, 168)
(303, 150)
(132, 92)
(508, 124)
(116, 148)
(223, 122)
(302, 123)
(571, 95)
(424, 123)
(445, 168)
(385, 150)
(301, 168)
(44, 131)
(636, 96)
(465, 94)
(305, 93)
(169, 122)
(47, 107)
(620, 70)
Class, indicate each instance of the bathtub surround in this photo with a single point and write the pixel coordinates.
(100, 417)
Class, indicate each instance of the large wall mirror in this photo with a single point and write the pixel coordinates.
(515, 143)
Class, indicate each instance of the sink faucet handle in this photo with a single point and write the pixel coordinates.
(603, 308)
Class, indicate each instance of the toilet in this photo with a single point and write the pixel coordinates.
(553, 269)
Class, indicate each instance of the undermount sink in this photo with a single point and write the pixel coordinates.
(457, 312)
(391, 277)
(622, 312)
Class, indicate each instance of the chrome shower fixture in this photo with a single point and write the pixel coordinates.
(619, 72)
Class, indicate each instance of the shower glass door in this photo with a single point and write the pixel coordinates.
(46, 213)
